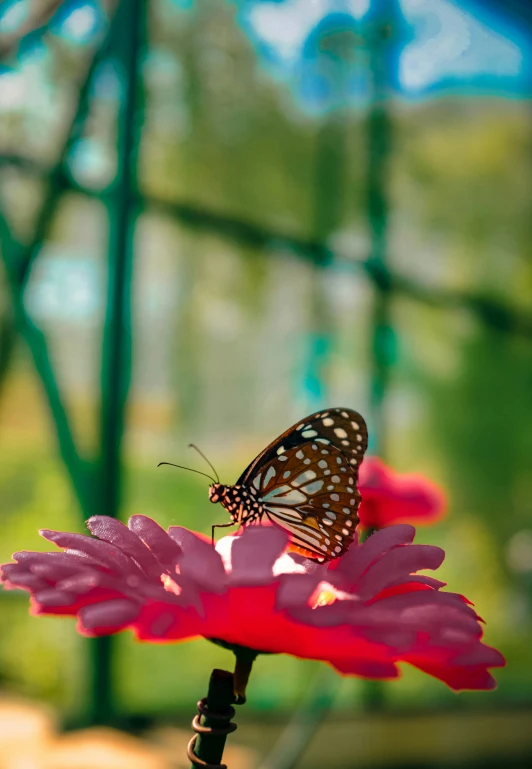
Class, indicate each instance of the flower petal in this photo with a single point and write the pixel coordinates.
(111, 616)
(109, 556)
(163, 548)
(246, 568)
(199, 562)
(363, 613)
(115, 533)
(400, 562)
(389, 497)
(354, 563)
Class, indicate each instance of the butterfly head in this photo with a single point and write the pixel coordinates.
(217, 492)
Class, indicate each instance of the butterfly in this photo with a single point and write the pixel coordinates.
(305, 481)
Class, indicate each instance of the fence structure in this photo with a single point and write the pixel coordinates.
(96, 480)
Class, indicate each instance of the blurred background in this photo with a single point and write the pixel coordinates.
(216, 217)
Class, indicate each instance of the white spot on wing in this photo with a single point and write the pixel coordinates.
(313, 488)
(256, 481)
(284, 495)
(269, 475)
(287, 513)
(340, 432)
(309, 433)
(328, 422)
(305, 477)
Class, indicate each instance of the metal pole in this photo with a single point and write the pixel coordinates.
(384, 16)
(382, 25)
(116, 356)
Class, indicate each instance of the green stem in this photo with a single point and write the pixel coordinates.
(217, 713)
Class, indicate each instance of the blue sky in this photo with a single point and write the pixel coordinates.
(446, 45)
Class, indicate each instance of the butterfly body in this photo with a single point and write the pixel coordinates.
(242, 504)
(305, 482)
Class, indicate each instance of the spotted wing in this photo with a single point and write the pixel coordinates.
(342, 428)
(310, 491)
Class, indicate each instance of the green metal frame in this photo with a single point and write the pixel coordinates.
(97, 482)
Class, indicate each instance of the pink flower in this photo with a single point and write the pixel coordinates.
(362, 613)
(389, 497)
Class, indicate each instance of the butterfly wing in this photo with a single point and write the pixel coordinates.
(307, 480)
(343, 428)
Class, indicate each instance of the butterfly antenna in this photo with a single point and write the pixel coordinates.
(182, 467)
(193, 446)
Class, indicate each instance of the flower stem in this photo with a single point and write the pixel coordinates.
(241, 677)
(213, 723)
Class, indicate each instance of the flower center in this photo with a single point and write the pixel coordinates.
(169, 585)
(324, 595)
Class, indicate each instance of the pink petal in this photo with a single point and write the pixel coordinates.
(389, 497)
(51, 597)
(357, 559)
(199, 562)
(108, 617)
(107, 555)
(366, 668)
(162, 547)
(115, 533)
(247, 568)
(400, 562)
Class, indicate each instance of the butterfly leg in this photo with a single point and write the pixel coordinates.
(220, 526)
